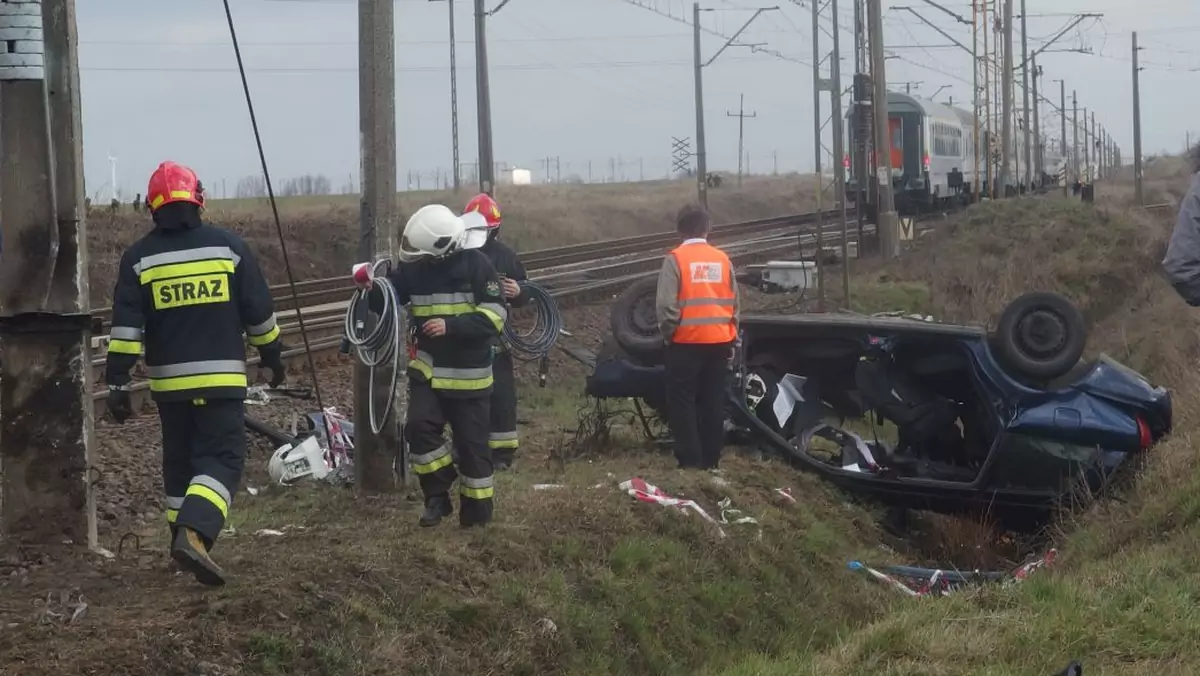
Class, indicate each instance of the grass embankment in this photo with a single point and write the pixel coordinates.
(323, 231)
(581, 579)
(1124, 598)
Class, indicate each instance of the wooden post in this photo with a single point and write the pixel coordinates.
(375, 456)
(46, 425)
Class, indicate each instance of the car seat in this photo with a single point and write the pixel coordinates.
(925, 421)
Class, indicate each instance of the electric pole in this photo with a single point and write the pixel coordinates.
(1006, 135)
(887, 224)
(487, 175)
(1025, 72)
(46, 420)
(1075, 136)
(374, 455)
(741, 115)
(975, 108)
(1039, 159)
(1137, 127)
(701, 154)
(861, 122)
(1062, 99)
(453, 97)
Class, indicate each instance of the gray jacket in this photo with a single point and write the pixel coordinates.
(666, 303)
(1182, 262)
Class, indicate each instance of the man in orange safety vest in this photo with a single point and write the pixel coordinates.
(697, 308)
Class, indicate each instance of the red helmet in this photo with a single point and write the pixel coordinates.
(484, 204)
(173, 182)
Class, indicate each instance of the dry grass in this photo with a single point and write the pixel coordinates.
(323, 232)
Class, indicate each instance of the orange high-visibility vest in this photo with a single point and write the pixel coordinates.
(706, 298)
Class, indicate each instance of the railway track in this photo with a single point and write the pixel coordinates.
(327, 290)
(324, 315)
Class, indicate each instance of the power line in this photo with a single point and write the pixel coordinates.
(409, 69)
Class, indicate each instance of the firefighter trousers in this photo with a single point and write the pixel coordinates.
(428, 413)
(204, 452)
(503, 437)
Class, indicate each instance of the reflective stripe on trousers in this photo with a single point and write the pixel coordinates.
(503, 440)
(428, 463)
(476, 489)
(211, 491)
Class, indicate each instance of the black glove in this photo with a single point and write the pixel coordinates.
(271, 357)
(120, 405)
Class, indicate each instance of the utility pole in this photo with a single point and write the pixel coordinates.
(741, 115)
(453, 97)
(46, 422)
(839, 146)
(1062, 107)
(1087, 160)
(1039, 159)
(887, 223)
(701, 154)
(989, 137)
(1137, 126)
(1006, 135)
(1094, 148)
(374, 456)
(1025, 88)
(487, 176)
(861, 126)
(1075, 135)
(975, 108)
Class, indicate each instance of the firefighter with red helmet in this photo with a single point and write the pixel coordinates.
(185, 293)
(503, 438)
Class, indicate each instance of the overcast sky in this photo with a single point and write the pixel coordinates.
(578, 80)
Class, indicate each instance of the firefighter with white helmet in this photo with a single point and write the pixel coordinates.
(457, 307)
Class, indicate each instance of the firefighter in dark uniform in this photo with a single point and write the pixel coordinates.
(186, 292)
(457, 309)
(503, 439)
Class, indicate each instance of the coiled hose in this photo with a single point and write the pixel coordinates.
(537, 342)
(383, 344)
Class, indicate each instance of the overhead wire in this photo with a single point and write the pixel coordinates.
(287, 264)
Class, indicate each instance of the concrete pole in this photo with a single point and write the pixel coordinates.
(46, 420)
(1137, 127)
(887, 223)
(487, 163)
(701, 155)
(1029, 173)
(1006, 135)
(820, 184)
(1039, 160)
(374, 456)
(1075, 135)
(454, 99)
(1062, 107)
(839, 148)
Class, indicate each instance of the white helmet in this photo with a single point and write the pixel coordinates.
(296, 461)
(434, 231)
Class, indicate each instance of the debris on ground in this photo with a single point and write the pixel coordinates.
(643, 491)
(730, 515)
(786, 495)
(325, 455)
(914, 581)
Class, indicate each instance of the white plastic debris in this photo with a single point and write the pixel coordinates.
(731, 515)
(292, 462)
(547, 487)
(268, 531)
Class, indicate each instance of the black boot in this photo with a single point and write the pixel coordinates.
(437, 507)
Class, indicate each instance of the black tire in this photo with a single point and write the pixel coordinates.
(633, 322)
(1041, 335)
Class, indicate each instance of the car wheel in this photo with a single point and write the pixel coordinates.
(1041, 335)
(633, 322)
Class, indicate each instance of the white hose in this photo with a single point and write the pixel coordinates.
(384, 343)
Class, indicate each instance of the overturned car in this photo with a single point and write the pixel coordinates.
(916, 413)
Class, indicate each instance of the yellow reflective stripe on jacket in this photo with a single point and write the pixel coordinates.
(124, 347)
(451, 310)
(495, 312)
(442, 378)
(265, 339)
(197, 375)
(186, 270)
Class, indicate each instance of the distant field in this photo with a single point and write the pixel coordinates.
(323, 231)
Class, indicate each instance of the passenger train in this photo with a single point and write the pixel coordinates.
(932, 148)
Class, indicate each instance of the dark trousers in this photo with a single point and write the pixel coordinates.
(471, 464)
(696, 401)
(204, 451)
(503, 438)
